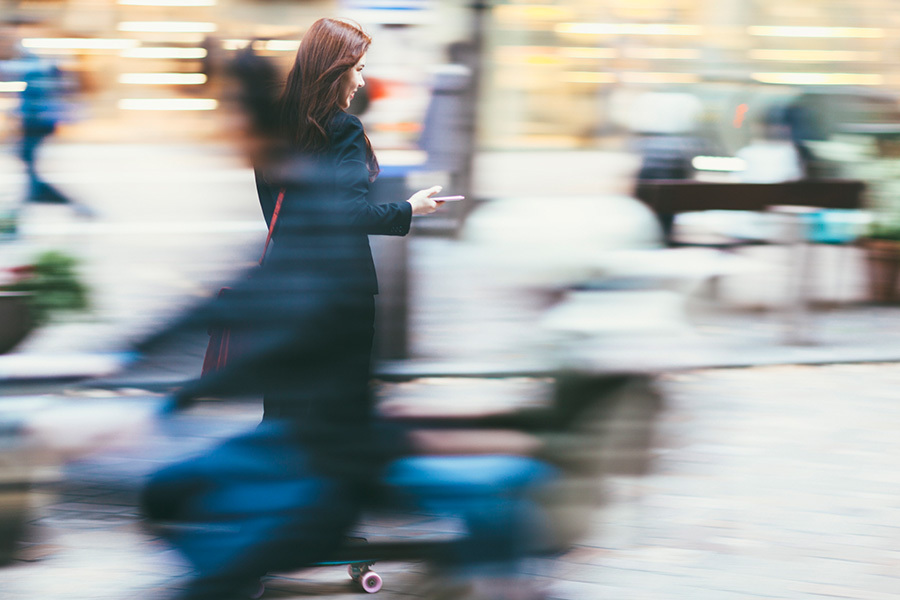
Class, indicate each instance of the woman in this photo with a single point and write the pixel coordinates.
(326, 217)
(289, 490)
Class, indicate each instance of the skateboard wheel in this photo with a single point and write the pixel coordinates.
(370, 582)
(258, 593)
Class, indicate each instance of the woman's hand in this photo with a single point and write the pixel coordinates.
(421, 201)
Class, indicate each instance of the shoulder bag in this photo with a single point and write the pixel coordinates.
(224, 345)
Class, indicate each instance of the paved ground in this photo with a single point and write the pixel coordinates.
(775, 481)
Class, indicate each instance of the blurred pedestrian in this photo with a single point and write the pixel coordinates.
(42, 107)
(667, 141)
(282, 497)
(40, 110)
(771, 156)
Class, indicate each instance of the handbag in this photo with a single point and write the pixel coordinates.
(224, 345)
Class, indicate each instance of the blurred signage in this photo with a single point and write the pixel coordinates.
(388, 11)
(385, 4)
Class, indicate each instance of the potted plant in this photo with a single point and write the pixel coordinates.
(882, 244)
(35, 292)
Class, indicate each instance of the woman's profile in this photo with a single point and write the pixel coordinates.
(325, 188)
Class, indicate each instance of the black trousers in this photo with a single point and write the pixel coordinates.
(331, 384)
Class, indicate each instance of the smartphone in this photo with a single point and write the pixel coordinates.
(447, 198)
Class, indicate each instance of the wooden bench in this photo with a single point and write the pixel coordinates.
(667, 198)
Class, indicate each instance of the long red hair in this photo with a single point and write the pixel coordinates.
(311, 95)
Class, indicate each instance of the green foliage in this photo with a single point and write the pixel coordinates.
(54, 284)
(885, 229)
(8, 223)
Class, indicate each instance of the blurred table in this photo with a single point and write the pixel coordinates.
(792, 201)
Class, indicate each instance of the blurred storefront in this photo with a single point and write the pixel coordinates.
(566, 74)
(553, 74)
(152, 70)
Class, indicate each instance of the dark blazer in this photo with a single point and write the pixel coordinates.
(326, 198)
(305, 319)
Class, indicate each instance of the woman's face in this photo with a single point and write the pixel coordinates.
(353, 80)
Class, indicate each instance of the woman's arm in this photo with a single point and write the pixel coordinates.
(352, 177)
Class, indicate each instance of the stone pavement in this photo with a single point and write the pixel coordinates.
(770, 482)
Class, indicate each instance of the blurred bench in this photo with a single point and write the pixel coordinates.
(668, 198)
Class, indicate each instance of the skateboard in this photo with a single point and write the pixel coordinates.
(360, 571)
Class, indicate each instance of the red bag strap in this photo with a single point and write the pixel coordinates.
(272, 223)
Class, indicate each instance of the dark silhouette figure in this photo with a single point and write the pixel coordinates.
(40, 109)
